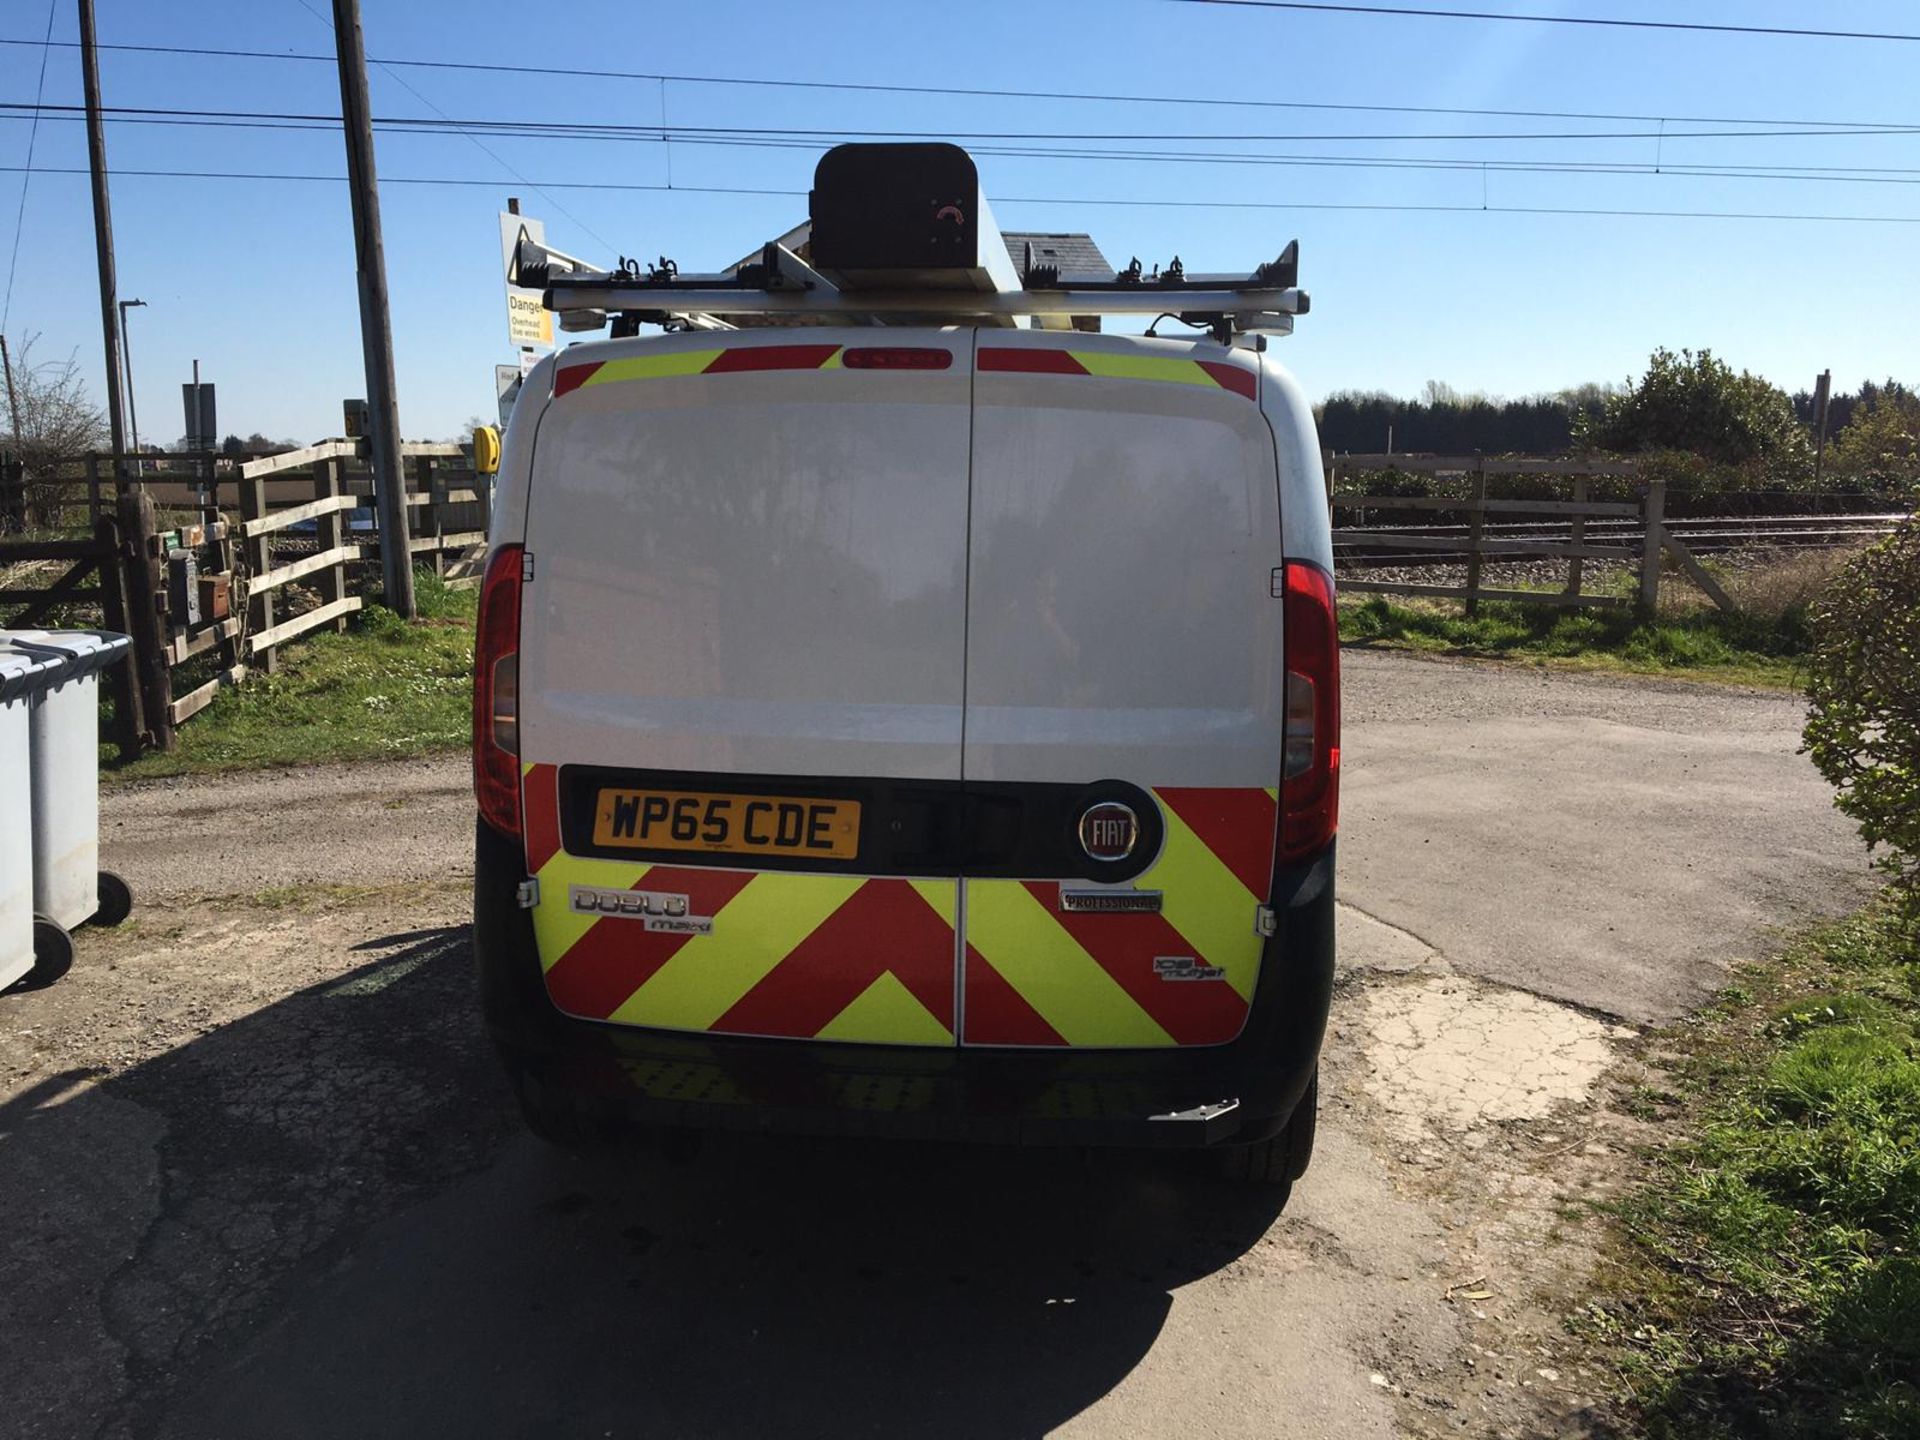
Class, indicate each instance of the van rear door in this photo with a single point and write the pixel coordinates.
(1123, 648)
(747, 605)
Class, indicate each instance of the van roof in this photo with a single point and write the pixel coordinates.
(903, 234)
(1071, 252)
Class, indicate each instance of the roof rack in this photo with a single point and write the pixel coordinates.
(900, 234)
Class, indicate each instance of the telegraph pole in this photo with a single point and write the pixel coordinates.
(376, 326)
(1822, 397)
(126, 356)
(103, 234)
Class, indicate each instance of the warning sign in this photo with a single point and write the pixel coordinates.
(528, 321)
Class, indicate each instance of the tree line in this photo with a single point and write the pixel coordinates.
(1444, 422)
(1691, 413)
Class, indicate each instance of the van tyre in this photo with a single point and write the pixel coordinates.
(1284, 1158)
(115, 899)
(52, 953)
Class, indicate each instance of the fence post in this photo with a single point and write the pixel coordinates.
(483, 489)
(1476, 533)
(433, 483)
(1577, 533)
(123, 679)
(1651, 544)
(259, 550)
(328, 534)
(93, 489)
(146, 614)
(209, 489)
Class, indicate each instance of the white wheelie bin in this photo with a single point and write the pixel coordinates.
(63, 741)
(18, 673)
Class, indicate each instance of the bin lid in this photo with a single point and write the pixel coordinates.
(22, 674)
(73, 652)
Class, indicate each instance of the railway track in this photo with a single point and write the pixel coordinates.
(1402, 545)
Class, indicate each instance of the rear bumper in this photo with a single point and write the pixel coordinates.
(1230, 1094)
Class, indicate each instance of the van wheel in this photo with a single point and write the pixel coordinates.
(554, 1116)
(1284, 1158)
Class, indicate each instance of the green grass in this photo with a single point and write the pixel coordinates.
(1704, 644)
(1770, 1280)
(383, 689)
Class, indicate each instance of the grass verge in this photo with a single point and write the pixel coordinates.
(383, 689)
(1702, 645)
(1768, 1283)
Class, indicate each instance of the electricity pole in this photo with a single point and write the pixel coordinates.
(1822, 397)
(376, 326)
(126, 356)
(103, 234)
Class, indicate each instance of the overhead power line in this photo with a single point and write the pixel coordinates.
(20, 215)
(965, 92)
(1185, 201)
(544, 129)
(1607, 21)
(1836, 174)
(478, 144)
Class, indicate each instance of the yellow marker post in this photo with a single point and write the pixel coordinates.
(486, 450)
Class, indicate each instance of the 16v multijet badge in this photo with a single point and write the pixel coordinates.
(1185, 967)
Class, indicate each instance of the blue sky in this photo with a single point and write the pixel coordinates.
(255, 277)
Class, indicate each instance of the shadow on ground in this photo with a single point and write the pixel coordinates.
(348, 1235)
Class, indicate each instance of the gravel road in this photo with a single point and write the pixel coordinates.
(261, 1177)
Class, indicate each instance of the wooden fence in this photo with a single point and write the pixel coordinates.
(126, 593)
(1647, 549)
(202, 556)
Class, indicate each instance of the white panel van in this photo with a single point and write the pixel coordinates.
(919, 728)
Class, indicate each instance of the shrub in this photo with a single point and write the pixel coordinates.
(1864, 688)
(1879, 451)
(1695, 402)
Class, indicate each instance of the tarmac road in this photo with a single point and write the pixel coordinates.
(1612, 843)
(262, 1178)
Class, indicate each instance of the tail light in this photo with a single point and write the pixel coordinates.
(896, 357)
(496, 693)
(1310, 763)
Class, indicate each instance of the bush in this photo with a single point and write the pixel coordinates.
(1864, 688)
(1694, 402)
(1879, 451)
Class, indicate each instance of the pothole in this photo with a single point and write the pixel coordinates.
(1462, 1054)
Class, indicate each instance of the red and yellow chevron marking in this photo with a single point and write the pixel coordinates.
(843, 957)
(833, 957)
(1038, 975)
(1214, 374)
(742, 359)
(735, 359)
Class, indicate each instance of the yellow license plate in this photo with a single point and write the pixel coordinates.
(784, 825)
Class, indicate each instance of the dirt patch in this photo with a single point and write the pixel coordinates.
(1461, 1055)
(1491, 1108)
